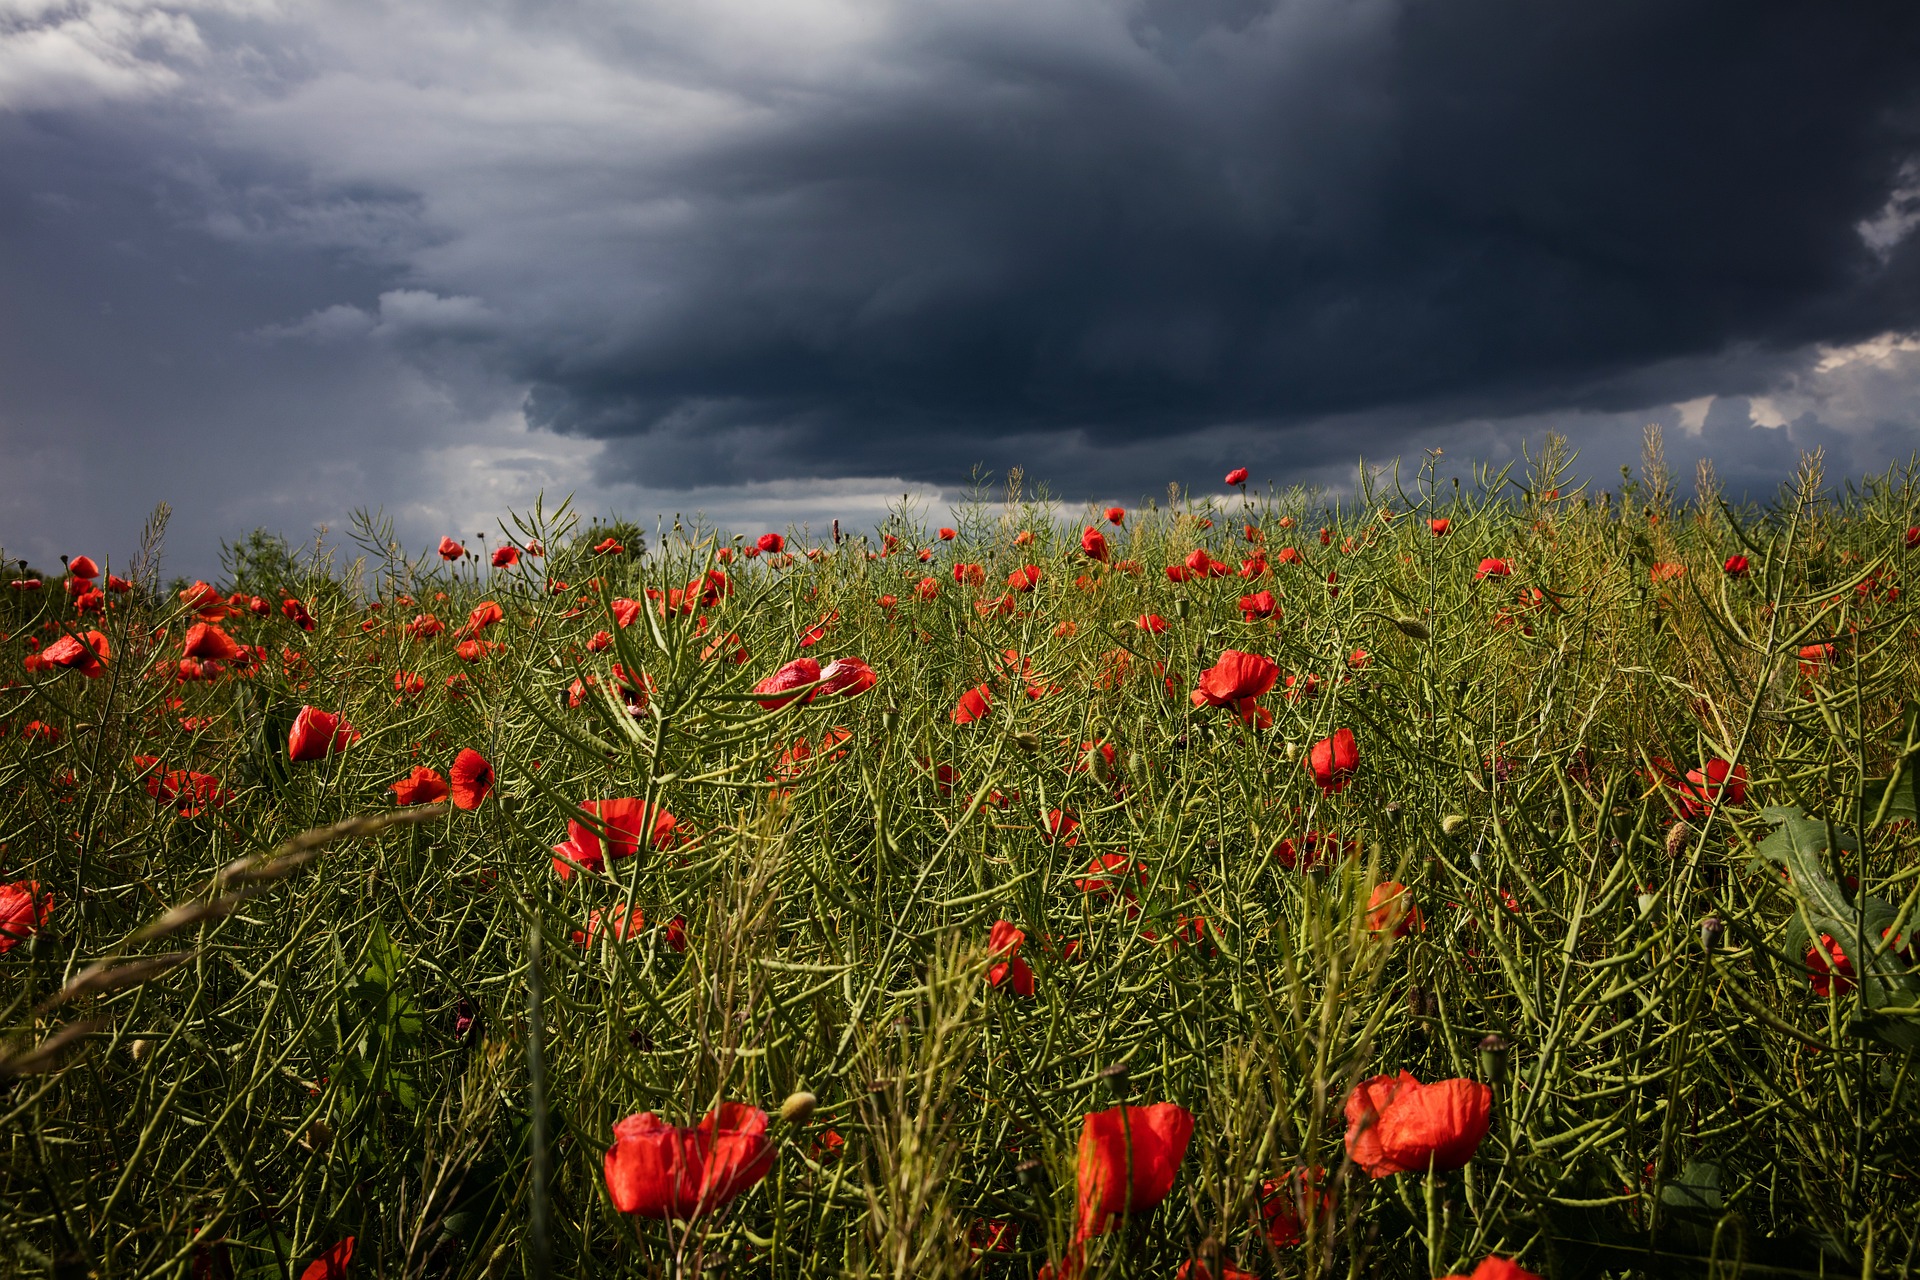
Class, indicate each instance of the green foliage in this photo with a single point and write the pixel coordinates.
(242, 1035)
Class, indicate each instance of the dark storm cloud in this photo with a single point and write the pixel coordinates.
(274, 262)
(1265, 216)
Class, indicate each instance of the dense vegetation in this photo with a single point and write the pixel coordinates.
(1609, 831)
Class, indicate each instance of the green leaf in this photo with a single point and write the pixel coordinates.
(1698, 1188)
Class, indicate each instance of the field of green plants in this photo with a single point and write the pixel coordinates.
(1480, 873)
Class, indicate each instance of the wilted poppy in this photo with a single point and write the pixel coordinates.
(422, 786)
(973, 705)
(1094, 543)
(317, 734)
(1333, 761)
(845, 677)
(657, 1170)
(796, 675)
(1395, 1124)
(1126, 1163)
(23, 909)
(1237, 476)
(472, 779)
(451, 550)
(86, 655)
(1493, 567)
(1003, 946)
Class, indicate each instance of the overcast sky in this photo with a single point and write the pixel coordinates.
(271, 260)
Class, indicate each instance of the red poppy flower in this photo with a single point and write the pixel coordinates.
(948, 535)
(1829, 971)
(1390, 910)
(1286, 1202)
(624, 820)
(1126, 1163)
(506, 557)
(845, 677)
(973, 705)
(1736, 566)
(1198, 1269)
(818, 631)
(1003, 945)
(1333, 761)
(1061, 825)
(332, 1264)
(484, 615)
(422, 786)
(82, 567)
(408, 683)
(827, 1147)
(23, 909)
(1025, 578)
(1237, 476)
(609, 546)
(1492, 1268)
(1235, 681)
(1492, 567)
(1440, 525)
(771, 543)
(472, 778)
(1116, 515)
(1813, 657)
(1199, 564)
(296, 613)
(1395, 1124)
(622, 923)
(88, 655)
(657, 1170)
(1913, 537)
(205, 640)
(992, 1235)
(795, 675)
(676, 935)
(451, 550)
(1094, 543)
(1260, 604)
(317, 734)
(25, 584)
(1106, 870)
(1666, 572)
(1708, 786)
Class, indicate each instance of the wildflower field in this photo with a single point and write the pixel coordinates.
(1471, 876)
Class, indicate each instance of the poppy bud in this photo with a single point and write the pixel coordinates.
(1453, 825)
(1678, 836)
(1030, 1172)
(1647, 902)
(798, 1108)
(1413, 628)
(319, 1136)
(1712, 929)
(1028, 741)
(1181, 607)
(1116, 1078)
(1493, 1056)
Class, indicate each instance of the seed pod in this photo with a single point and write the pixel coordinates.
(1116, 1078)
(798, 1108)
(1453, 825)
(1679, 836)
(1493, 1056)
(1712, 929)
(1413, 628)
(1028, 741)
